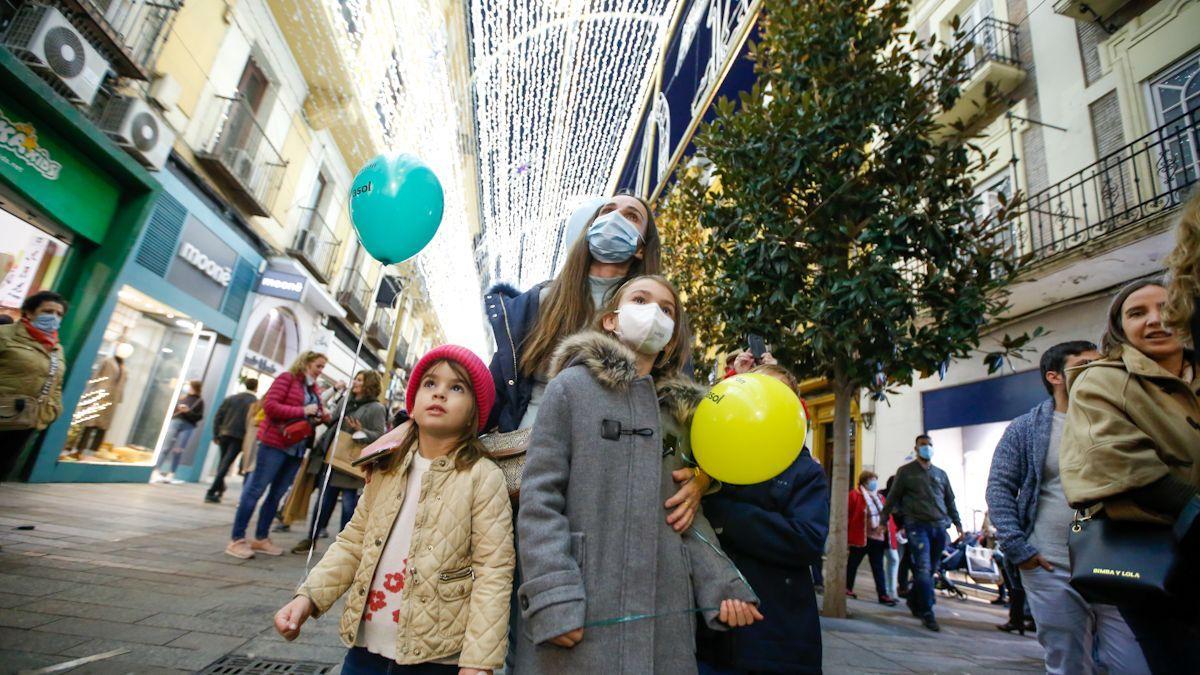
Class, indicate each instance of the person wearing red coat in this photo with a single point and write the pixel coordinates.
(293, 398)
(867, 534)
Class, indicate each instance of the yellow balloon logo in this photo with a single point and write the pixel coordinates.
(749, 429)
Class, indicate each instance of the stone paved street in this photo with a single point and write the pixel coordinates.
(141, 568)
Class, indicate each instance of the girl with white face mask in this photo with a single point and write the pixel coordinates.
(594, 546)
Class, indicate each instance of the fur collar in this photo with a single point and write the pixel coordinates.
(615, 366)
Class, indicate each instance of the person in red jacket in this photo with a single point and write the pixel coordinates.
(292, 400)
(867, 534)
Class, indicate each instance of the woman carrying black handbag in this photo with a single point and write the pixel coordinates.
(1130, 457)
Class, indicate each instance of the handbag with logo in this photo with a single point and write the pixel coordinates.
(1123, 562)
(507, 450)
(24, 412)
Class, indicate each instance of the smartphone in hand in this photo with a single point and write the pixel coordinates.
(757, 346)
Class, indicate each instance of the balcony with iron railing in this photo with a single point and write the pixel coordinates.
(241, 157)
(1146, 179)
(315, 245)
(380, 331)
(354, 294)
(993, 65)
(401, 358)
(130, 33)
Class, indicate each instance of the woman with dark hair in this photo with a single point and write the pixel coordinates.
(1131, 451)
(189, 410)
(31, 374)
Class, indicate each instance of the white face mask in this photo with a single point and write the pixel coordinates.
(646, 329)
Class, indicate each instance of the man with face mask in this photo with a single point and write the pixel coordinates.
(923, 496)
(31, 374)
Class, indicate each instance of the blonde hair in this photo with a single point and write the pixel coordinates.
(303, 361)
(469, 449)
(1183, 268)
(671, 359)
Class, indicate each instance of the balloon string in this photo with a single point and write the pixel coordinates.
(638, 617)
(721, 553)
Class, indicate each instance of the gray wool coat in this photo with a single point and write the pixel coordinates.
(594, 540)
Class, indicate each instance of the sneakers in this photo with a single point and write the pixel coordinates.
(302, 547)
(265, 546)
(931, 623)
(239, 549)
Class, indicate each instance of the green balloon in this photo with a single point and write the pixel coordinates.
(396, 205)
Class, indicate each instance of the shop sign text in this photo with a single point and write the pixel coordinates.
(20, 139)
(211, 268)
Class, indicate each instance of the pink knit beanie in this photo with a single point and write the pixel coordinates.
(481, 378)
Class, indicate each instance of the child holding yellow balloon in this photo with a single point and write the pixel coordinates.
(609, 586)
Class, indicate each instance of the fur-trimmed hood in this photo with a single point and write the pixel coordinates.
(614, 366)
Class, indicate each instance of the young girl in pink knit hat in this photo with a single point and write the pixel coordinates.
(428, 556)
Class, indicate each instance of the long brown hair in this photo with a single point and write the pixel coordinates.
(1114, 333)
(372, 384)
(468, 449)
(568, 307)
(670, 360)
(1183, 267)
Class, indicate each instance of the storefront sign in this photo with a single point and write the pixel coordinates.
(281, 285)
(203, 264)
(261, 363)
(218, 273)
(19, 140)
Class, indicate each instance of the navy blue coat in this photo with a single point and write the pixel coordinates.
(512, 316)
(774, 531)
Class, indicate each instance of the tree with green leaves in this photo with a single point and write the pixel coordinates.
(844, 232)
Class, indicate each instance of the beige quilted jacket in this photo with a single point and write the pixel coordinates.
(462, 556)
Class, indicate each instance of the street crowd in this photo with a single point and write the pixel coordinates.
(577, 533)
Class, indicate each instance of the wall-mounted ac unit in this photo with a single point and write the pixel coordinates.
(44, 39)
(134, 125)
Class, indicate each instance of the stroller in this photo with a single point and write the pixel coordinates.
(978, 563)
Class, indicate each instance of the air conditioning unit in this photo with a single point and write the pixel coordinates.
(45, 40)
(135, 126)
(242, 165)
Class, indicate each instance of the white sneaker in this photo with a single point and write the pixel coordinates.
(176, 481)
(156, 477)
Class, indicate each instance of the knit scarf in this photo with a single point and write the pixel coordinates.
(47, 340)
(874, 508)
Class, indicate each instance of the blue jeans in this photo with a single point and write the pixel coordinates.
(925, 545)
(178, 435)
(359, 661)
(324, 510)
(274, 470)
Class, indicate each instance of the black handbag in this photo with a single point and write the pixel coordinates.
(1118, 562)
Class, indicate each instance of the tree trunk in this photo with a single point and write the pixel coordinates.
(835, 561)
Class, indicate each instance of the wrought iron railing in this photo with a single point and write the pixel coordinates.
(380, 331)
(240, 147)
(139, 26)
(991, 40)
(1143, 179)
(316, 243)
(355, 294)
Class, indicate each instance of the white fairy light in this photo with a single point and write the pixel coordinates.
(556, 86)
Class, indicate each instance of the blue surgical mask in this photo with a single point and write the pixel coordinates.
(612, 238)
(872, 485)
(925, 452)
(47, 323)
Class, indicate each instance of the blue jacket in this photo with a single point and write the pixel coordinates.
(1016, 478)
(511, 316)
(773, 531)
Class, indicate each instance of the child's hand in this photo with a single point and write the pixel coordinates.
(293, 615)
(568, 640)
(686, 502)
(737, 613)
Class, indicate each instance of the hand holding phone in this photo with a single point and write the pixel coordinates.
(757, 346)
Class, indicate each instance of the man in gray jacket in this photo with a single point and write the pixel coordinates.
(229, 427)
(924, 498)
(1027, 506)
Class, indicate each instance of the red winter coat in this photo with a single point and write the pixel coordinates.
(856, 519)
(284, 403)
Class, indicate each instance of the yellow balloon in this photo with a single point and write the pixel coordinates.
(749, 429)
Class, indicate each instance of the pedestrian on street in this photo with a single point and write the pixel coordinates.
(189, 410)
(230, 425)
(292, 408)
(891, 554)
(866, 532)
(429, 550)
(923, 496)
(1131, 452)
(775, 533)
(365, 420)
(1027, 506)
(31, 374)
(594, 546)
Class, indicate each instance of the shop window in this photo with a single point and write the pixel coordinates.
(272, 347)
(30, 260)
(135, 380)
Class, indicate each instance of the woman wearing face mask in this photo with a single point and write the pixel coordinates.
(1131, 451)
(867, 535)
(593, 545)
(31, 374)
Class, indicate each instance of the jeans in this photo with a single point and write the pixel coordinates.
(274, 470)
(231, 447)
(1071, 629)
(1169, 636)
(926, 544)
(891, 565)
(874, 551)
(359, 661)
(324, 509)
(178, 435)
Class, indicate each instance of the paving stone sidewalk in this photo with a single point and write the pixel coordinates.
(141, 568)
